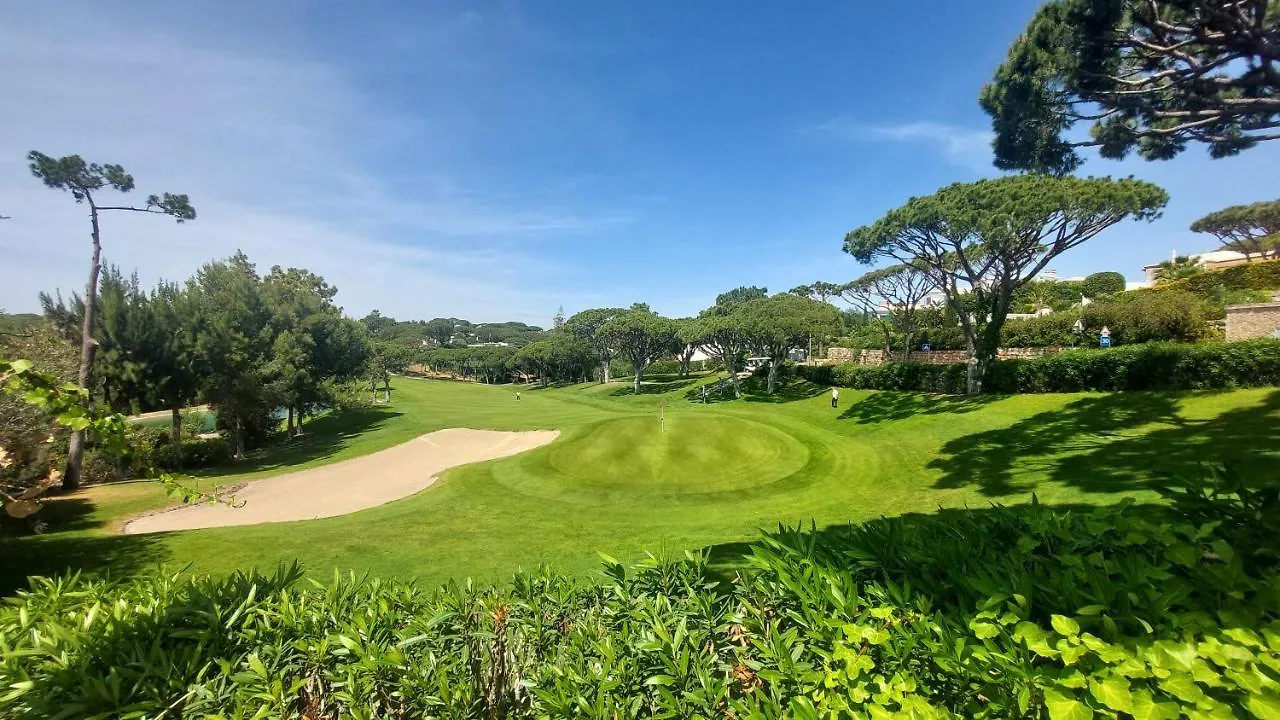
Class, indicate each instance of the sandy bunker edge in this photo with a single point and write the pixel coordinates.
(349, 485)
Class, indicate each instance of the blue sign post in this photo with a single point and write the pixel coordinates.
(1104, 337)
(926, 347)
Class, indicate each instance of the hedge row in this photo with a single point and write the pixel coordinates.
(1262, 275)
(1153, 366)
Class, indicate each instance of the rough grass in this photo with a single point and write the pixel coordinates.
(613, 483)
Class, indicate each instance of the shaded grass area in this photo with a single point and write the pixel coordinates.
(613, 483)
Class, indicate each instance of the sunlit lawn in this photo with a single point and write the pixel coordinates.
(719, 472)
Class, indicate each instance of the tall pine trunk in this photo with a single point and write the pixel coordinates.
(289, 426)
(773, 374)
(75, 449)
(175, 418)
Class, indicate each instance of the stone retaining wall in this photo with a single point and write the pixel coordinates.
(1245, 322)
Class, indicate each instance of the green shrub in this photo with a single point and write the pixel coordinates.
(1001, 613)
(259, 427)
(662, 367)
(890, 376)
(1166, 316)
(98, 467)
(1151, 366)
(191, 454)
(1102, 284)
(1044, 331)
(1263, 275)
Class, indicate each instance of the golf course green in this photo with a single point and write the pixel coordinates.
(710, 475)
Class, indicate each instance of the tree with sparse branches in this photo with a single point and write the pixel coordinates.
(1253, 230)
(687, 332)
(587, 326)
(1150, 75)
(774, 325)
(84, 181)
(862, 297)
(982, 241)
(641, 336)
(892, 295)
(722, 336)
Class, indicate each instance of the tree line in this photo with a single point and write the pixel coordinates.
(742, 322)
(246, 344)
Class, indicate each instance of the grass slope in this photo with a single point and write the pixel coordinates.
(613, 483)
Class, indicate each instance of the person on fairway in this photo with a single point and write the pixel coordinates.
(835, 396)
(517, 395)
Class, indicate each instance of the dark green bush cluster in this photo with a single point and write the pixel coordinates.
(190, 454)
(1003, 613)
(1152, 366)
(1166, 316)
(890, 376)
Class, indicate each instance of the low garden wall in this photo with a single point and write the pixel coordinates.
(1245, 322)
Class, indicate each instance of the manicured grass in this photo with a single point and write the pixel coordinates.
(613, 483)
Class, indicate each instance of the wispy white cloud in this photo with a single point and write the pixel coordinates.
(962, 146)
(274, 150)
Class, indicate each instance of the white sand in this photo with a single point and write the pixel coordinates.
(350, 485)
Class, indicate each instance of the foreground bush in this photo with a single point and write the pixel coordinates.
(1153, 366)
(1006, 613)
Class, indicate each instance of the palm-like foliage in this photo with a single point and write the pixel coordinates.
(1178, 268)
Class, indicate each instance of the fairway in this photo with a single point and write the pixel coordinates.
(615, 482)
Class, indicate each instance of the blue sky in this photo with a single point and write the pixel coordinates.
(496, 160)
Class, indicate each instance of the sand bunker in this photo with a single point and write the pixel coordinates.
(350, 485)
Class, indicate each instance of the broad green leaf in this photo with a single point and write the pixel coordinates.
(984, 630)
(1112, 692)
(1265, 706)
(1145, 708)
(1181, 686)
(1065, 625)
(1063, 707)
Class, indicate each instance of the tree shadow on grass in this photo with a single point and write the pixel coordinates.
(890, 405)
(70, 549)
(1113, 443)
(985, 532)
(656, 385)
(788, 389)
(323, 437)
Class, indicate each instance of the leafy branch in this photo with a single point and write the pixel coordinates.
(68, 405)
